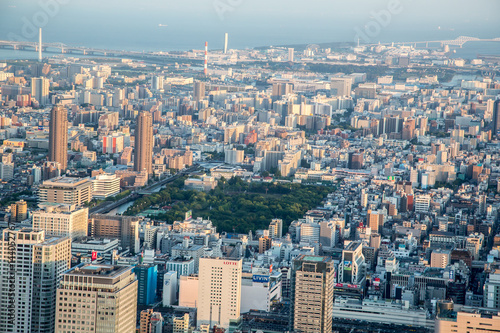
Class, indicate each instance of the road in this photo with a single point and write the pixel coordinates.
(108, 206)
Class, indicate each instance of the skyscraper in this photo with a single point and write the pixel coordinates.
(291, 50)
(226, 36)
(355, 160)
(101, 298)
(219, 292)
(496, 117)
(39, 263)
(147, 276)
(58, 136)
(312, 294)
(143, 158)
(199, 91)
(40, 90)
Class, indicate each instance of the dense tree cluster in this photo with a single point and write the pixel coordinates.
(236, 205)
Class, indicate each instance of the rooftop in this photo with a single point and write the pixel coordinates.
(310, 258)
(101, 270)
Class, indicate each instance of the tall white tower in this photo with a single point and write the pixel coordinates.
(40, 45)
(226, 37)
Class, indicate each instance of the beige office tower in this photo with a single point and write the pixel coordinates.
(219, 292)
(125, 228)
(29, 287)
(312, 294)
(97, 298)
(199, 91)
(58, 136)
(19, 211)
(143, 158)
(66, 190)
(341, 86)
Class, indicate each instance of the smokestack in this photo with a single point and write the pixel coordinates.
(225, 42)
(40, 45)
(206, 59)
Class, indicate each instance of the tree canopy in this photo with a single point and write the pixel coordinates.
(236, 205)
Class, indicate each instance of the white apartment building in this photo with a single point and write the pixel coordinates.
(105, 186)
(422, 203)
(61, 220)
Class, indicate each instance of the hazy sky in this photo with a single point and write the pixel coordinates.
(134, 24)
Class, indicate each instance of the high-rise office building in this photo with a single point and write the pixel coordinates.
(66, 190)
(219, 292)
(61, 220)
(7, 167)
(311, 299)
(19, 211)
(352, 266)
(188, 290)
(496, 117)
(124, 228)
(156, 82)
(355, 160)
(147, 277)
(97, 298)
(58, 136)
(143, 157)
(198, 91)
(226, 37)
(281, 89)
(40, 90)
(341, 86)
(291, 51)
(29, 278)
(375, 221)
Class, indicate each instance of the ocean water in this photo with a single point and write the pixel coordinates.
(169, 25)
(469, 50)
